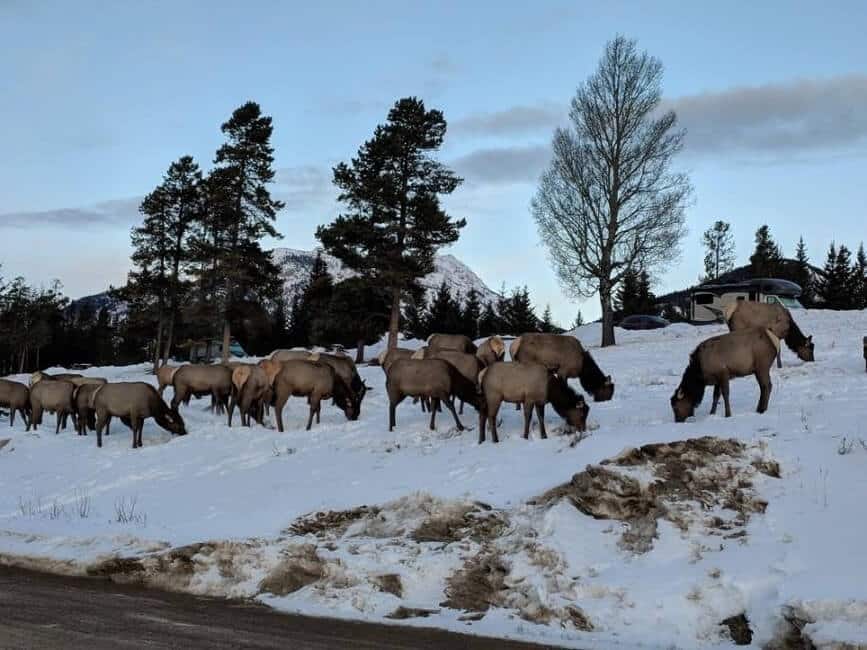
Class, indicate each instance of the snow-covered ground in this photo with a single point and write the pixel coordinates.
(471, 537)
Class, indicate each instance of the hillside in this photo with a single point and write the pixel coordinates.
(644, 534)
(295, 268)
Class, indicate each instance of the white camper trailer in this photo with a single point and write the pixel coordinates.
(708, 301)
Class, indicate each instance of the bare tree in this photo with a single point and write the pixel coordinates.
(608, 201)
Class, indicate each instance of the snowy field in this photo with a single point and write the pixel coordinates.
(653, 550)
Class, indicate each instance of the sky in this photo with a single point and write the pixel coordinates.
(99, 98)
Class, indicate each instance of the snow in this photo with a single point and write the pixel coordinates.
(241, 489)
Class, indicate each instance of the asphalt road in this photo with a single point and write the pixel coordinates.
(45, 611)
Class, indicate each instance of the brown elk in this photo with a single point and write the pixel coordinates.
(16, 397)
(531, 385)
(52, 396)
(165, 375)
(432, 379)
(469, 365)
(491, 351)
(251, 391)
(457, 342)
(718, 360)
(345, 367)
(745, 315)
(389, 355)
(82, 399)
(316, 381)
(133, 403)
(195, 380)
(565, 356)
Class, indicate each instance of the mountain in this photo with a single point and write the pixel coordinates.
(295, 268)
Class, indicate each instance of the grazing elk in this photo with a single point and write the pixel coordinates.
(468, 365)
(345, 367)
(133, 403)
(51, 396)
(432, 379)
(459, 342)
(16, 397)
(565, 356)
(198, 381)
(82, 399)
(316, 381)
(390, 355)
(251, 391)
(718, 360)
(745, 315)
(491, 351)
(290, 355)
(531, 385)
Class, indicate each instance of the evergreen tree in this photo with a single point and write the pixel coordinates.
(315, 303)
(546, 324)
(835, 286)
(415, 317)
(392, 190)
(579, 320)
(803, 274)
(298, 324)
(444, 312)
(720, 247)
(765, 262)
(233, 269)
(521, 316)
(626, 299)
(470, 314)
(646, 303)
(489, 321)
(358, 313)
(859, 279)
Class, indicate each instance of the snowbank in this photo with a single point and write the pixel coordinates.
(447, 523)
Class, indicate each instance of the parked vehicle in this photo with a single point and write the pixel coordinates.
(708, 302)
(643, 322)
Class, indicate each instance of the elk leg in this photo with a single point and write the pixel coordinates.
(233, 402)
(134, 423)
(59, 420)
(12, 416)
(724, 389)
(461, 409)
(494, 411)
(540, 415)
(483, 421)
(764, 379)
(528, 417)
(100, 424)
(434, 407)
(278, 410)
(314, 408)
(450, 405)
(780, 357)
(716, 394)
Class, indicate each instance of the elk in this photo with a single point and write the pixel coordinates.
(133, 403)
(214, 380)
(316, 381)
(16, 397)
(744, 315)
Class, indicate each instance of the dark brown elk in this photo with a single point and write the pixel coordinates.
(565, 356)
(718, 360)
(345, 367)
(745, 315)
(16, 397)
(532, 386)
(133, 403)
(491, 351)
(51, 396)
(251, 391)
(316, 381)
(432, 379)
(82, 399)
(165, 375)
(198, 381)
(457, 342)
(390, 355)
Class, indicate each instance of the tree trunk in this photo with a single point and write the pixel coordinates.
(394, 321)
(158, 346)
(227, 339)
(359, 351)
(607, 317)
(169, 339)
(38, 354)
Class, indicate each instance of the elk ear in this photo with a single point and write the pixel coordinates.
(810, 338)
(679, 394)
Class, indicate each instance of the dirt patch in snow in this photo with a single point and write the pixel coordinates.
(475, 521)
(389, 583)
(300, 566)
(480, 584)
(329, 522)
(402, 613)
(739, 629)
(712, 472)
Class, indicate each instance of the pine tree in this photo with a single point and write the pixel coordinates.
(803, 274)
(626, 299)
(843, 271)
(298, 324)
(859, 279)
(392, 190)
(646, 302)
(720, 246)
(766, 260)
(835, 286)
(521, 315)
(315, 303)
(579, 320)
(546, 324)
(358, 313)
(415, 316)
(470, 314)
(489, 321)
(233, 269)
(444, 312)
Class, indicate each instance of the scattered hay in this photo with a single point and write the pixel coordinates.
(790, 632)
(300, 567)
(578, 618)
(767, 467)
(454, 523)
(389, 583)
(708, 471)
(478, 585)
(739, 629)
(329, 522)
(4, 442)
(403, 613)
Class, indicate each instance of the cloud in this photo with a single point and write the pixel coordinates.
(518, 120)
(517, 164)
(113, 213)
(803, 115)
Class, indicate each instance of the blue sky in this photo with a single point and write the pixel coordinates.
(99, 98)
